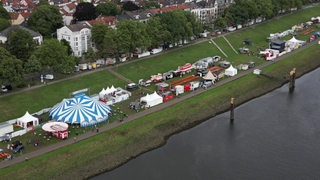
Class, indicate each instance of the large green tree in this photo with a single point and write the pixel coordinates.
(33, 65)
(4, 13)
(85, 11)
(107, 9)
(20, 43)
(132, 35)
(53, 55)
(46, 19)
(110, 44)
(157, 31)
(98, 32)
(177, 25)
(4, 18)
(11, 70)
(4, 23)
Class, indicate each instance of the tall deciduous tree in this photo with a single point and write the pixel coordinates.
(110, 44)
(130, 6)
(132, 35)
(107, 9)
(157, 31)
(85, 11)
(11, 70)
(46, 20)
(98, 32)
(20, 43)
(53, 55)
(4, 13)
(32, 65)
(4, 23)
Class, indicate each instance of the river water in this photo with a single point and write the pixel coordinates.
(276, 136)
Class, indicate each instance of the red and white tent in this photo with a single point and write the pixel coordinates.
(58, 129)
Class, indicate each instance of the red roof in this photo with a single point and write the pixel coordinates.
(170, 8)
(26, 14)
(106, 20)
(14, 16)
(72, 5)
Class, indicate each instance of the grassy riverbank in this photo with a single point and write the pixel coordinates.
(112, 148)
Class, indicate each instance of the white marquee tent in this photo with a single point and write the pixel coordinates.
(27, 120)
(231, 71)
(80, 109)
(210, 77)
(293, 42)
(151, 99)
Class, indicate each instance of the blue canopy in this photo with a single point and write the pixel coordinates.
(80, 109)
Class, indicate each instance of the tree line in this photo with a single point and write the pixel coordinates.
(243, 11)
(160, 30)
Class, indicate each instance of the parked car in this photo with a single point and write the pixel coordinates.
(132, 86)
(224, 64)
(251, 64)
(206, 84)
(201, 72)
(3, 88)
(49, 76)
(19, 148)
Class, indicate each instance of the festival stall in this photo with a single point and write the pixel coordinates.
(81, 109)
(151, 100)
(58, 129)
(231, 71)
(210, 77)
(293, 43)
(27, 120)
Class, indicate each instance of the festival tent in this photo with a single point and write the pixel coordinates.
(231, 71)
(27, 120)
(58, 129)
(102, 93)
(151, 100)
(81, 109)
(210, 77)
(293, 42)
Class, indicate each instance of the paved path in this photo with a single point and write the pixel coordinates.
(66, 142)
(120, 76)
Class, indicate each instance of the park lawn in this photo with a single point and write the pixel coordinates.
(167, 61)
(225, 47)
(111, 148)
(260, 32)
(14, 106)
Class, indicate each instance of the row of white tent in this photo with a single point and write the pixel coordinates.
(107, 91)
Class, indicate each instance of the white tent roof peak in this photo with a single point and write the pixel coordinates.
(230, 68)
(209, 76)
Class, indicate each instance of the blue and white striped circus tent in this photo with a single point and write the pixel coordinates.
(80, 109)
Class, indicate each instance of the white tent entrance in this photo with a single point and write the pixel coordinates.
(231, 71)
(27, 120)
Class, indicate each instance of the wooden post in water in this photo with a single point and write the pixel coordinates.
(292, 80)
(232, 110)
